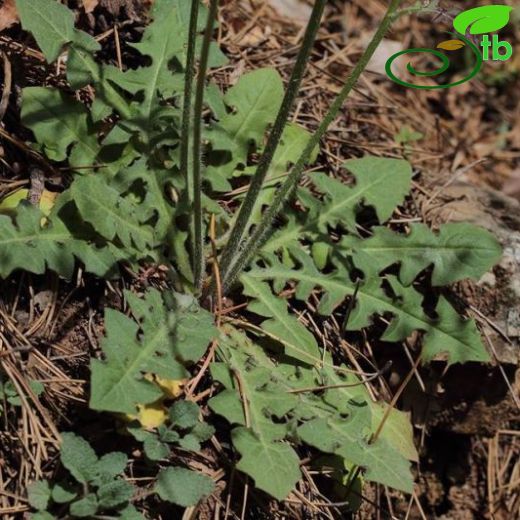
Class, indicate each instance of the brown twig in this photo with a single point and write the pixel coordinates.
(6, 92)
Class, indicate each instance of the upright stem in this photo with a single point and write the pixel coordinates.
(293, 87)
(188, 84)
(198, 248)
(262, 232)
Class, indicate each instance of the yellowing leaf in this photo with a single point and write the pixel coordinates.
(47, 201)
(172, 388)
(10, 203)
(149, 415)
(451, 45)
(155, 414)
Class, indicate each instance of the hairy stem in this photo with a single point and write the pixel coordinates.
(262, 232)
(293, 87)
(188, 84)
(198, 248)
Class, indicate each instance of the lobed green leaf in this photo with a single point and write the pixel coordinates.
(457, 251)
(154, 343)
(447, 334)
(285, 391)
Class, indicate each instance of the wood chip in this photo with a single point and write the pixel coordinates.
(8, 14)
(90, 5)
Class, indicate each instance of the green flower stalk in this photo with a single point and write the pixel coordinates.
(261, 234)
(198, 246)
(188, 84)
(240, 227)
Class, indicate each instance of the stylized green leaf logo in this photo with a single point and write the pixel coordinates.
(481, 20)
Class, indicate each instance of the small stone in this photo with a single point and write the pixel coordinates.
(488, 279)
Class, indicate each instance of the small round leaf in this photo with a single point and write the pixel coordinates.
(39, 494)
(183, 487)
